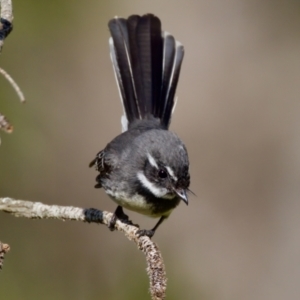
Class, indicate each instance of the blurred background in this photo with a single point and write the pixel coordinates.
(238, 114)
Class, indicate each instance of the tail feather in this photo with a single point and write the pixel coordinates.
(166, 118)
(122, 67)
(132, 24)
(147, 64)
(156, 63)
(168, 59)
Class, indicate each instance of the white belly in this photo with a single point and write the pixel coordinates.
(135, 203)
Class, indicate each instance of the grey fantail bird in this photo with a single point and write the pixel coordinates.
(146, 168)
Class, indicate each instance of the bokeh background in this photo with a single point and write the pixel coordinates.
(238, 113)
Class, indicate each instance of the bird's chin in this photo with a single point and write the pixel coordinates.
(169, 196)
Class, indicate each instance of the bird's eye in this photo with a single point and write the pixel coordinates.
(162, 174)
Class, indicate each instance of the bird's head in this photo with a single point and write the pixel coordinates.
(164, 170)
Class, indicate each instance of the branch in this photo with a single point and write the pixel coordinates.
(4, 125)
(4, 248)
(14, 85)
(37, 210)
(6, 18)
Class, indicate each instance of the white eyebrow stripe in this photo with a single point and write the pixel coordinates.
(156, 191)
(171, 173)
(152, 161)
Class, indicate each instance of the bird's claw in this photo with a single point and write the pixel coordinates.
(145, 232)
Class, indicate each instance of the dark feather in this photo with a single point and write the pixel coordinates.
(157, 64)
(168, 60)
(147, 65)
(166, 118)
(132, 23)
(119, 33)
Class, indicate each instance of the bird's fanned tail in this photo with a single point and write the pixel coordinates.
(147, 64)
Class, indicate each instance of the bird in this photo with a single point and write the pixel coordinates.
(145, 169)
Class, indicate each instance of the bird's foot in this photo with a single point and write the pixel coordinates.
(120, 215)
(129, 222)
(150, 233)
(145, 232)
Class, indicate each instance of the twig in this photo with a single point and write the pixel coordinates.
(4, 248)
(6, 10)
(6, 18)
(4, 125)
(13, 84)
(37, 210)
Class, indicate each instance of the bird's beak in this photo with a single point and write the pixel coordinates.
(182, 195)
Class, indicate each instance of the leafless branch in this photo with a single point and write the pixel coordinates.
(6, 10)
(4, 248)
(6, 18)
(4, 125)
(13, 84)
(37, 210)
